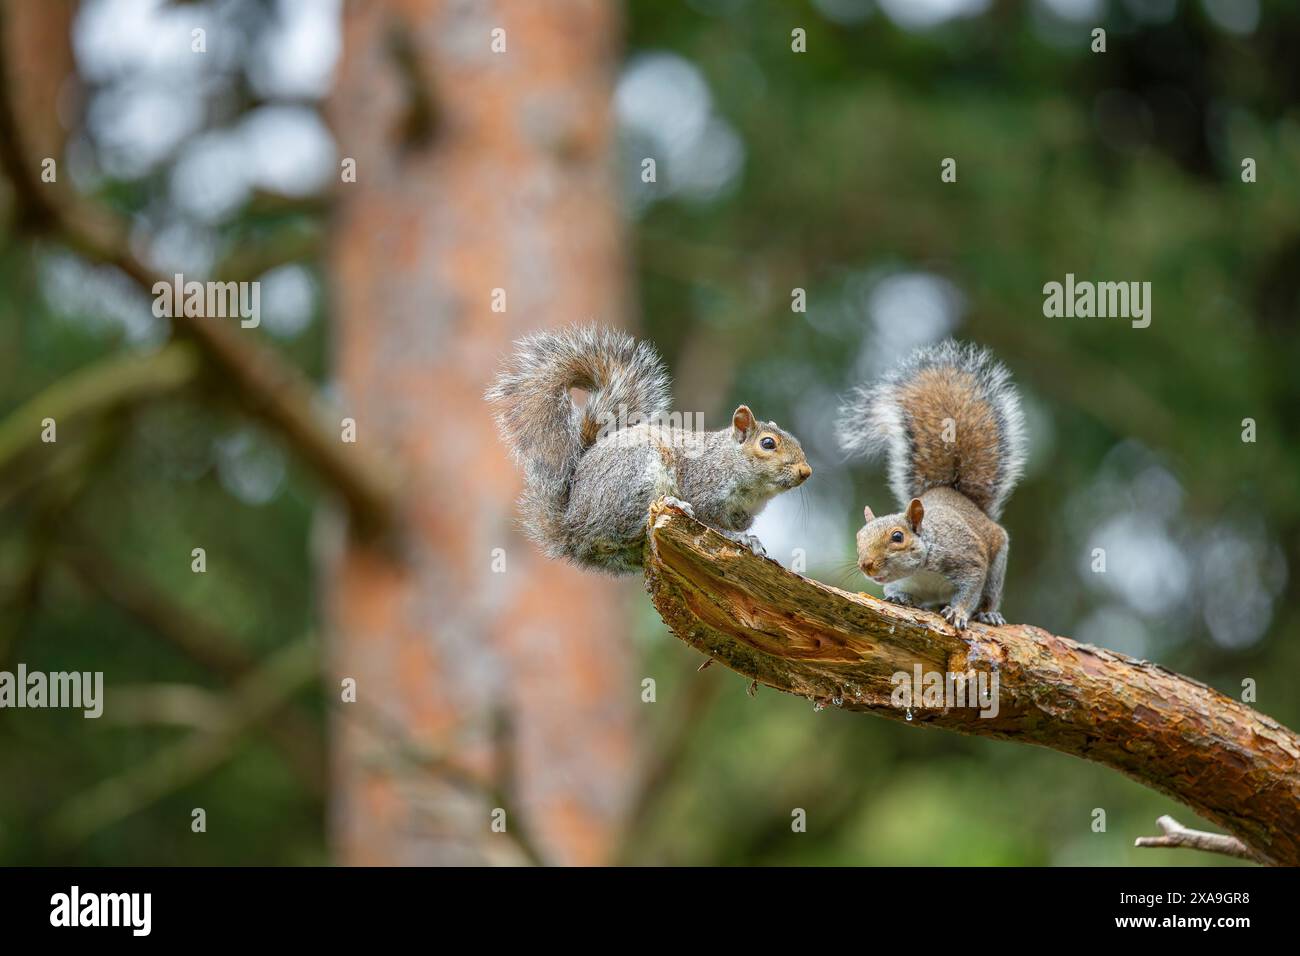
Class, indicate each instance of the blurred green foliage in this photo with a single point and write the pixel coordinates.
(1116, 166)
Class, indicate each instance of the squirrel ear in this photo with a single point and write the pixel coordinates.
(866, 513)
(915, 512)
(742, 420)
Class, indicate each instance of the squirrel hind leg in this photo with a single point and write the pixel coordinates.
(991, 597)
(611, 557)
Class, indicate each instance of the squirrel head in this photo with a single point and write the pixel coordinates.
(890, 547)
(776, 457)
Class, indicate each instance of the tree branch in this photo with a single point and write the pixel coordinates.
(663, 762)
(1175, 834)
(254, 700)
(1230, 764)
(94, 391)
(292, 730)
(269, 388)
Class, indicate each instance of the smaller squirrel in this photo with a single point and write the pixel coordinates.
(949, 423)
(591, 472)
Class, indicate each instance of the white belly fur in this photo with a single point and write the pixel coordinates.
(927, 587)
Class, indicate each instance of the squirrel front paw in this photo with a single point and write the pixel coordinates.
(955, 616)
(682, 506)
(748, 540)
(751, 541)
(900, 597)
(991, 617)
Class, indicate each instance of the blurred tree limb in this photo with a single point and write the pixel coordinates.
(255, 699)
(57, 489)
(665, 760)
(269, 388)
(1230, 764)
(89, 394)
(293, 731)
(99, 389)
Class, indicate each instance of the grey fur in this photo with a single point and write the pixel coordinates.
(944, 549)
(872, 420)
(586, 500)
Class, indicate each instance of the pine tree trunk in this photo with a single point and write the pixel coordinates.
(475, 171)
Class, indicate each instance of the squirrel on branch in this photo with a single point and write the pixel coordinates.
(948, 422)
(591, 471)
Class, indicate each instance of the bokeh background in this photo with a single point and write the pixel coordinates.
(775, 170)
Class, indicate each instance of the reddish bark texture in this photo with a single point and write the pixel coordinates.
(475, 171)
(41, 77)
(1229, 763)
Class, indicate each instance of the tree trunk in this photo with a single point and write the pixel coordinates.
(1230, 764)
(475, 171)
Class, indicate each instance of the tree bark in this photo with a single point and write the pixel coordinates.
(475, 170)
(1232, 765)
(41, 75)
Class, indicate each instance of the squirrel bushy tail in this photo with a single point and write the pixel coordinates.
(946, 416)
(546, 432)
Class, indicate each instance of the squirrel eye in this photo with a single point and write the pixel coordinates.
(896, 536)
(768, 443)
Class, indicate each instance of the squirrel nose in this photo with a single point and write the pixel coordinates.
(804, 472)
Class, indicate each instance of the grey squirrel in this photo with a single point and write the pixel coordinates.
(592, 471)
(949, 423)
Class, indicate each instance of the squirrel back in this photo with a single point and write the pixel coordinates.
(946, 416)
(546, 432)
